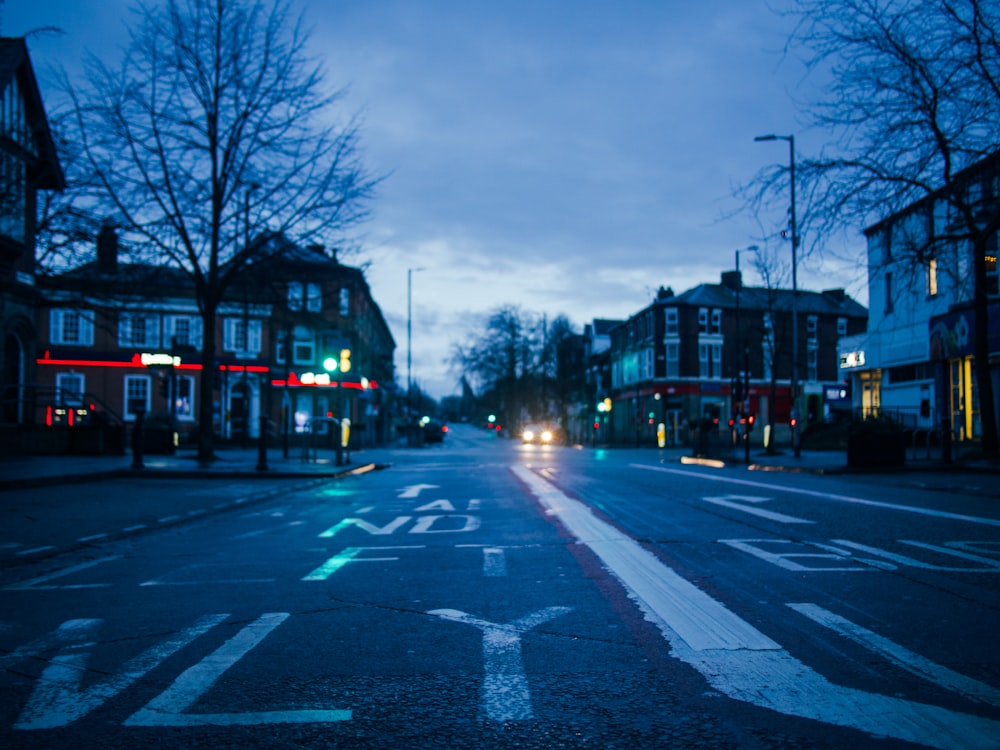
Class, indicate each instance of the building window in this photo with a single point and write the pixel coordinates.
(768, 353)
(673, 359)
(812, 363)
(716, 321)
(138, 330)
(992, 285)
(303, 346)
(932, 280)
(13, 178)
(69, 389)
(183, 331)
(314, 298)
(136, 395)
(242, 336)
(841, 326)
(294, 295)
(184, 398)
(71, 327)
(345, 302)
(703, 320)
(811, 326)
(888, 292)
(671, 313)
(710, 361)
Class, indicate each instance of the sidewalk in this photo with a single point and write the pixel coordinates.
(232, 463)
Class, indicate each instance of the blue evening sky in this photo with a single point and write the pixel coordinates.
(566, 156)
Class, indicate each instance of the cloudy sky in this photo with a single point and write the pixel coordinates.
(566, 156)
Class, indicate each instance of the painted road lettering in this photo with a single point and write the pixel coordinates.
(787, 554)
(350, 555)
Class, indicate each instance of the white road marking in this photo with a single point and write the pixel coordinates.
(738, 660)
(824, 495)
(768, 514)
(168, 709)
(65, 633)
(33, 583)
(416, 489)
(494, 562)
(36, 550)
(134, 528)
(992, 566)
(167, 519)
(902, 657)
(444, 505)
(57, 698)
(363, 524)
(348, 555)
(506, 695)
(91, 538)
(425, 524)
(782, 560)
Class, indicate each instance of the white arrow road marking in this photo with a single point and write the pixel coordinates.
(168, 708)
(58, 699)
(414, 490)
(902, 657)
(736, 658)
(725, 502)
(506, 696)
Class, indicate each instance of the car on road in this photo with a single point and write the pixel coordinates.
(433, 430)
(540, 434)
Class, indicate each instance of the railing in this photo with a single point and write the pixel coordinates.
(41, 405)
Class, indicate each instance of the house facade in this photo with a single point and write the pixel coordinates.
(717, 349)
(915, 362)
(299, 336)
(28, 164)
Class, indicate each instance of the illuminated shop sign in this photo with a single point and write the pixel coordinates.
(159, 359)
(852, 359)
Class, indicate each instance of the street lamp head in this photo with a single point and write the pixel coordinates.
(771, 137)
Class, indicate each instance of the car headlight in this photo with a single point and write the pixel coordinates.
(529, 435)
(546, 437)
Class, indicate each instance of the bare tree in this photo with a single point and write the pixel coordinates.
(216, 127)
(910, 91)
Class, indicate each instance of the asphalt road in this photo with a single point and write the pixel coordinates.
(486, 594)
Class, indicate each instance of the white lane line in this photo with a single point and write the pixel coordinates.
(36, 550)
(738, 660)
(900, 656)
(33, 582)
(135, 528)
(167, 519)
(506, 694)
(768, 514)
(169, 707)
(91, 538)
(494, 562)
(825, 495)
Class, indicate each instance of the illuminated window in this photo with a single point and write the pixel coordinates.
(345, 302)
(69, 389)
(184, 398)
(71, 327)
(932, 282)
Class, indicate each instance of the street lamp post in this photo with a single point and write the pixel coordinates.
(795, 288)
(409, 353)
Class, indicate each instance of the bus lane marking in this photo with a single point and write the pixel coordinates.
(737, 659)
(169, 708)
(349, 555)
(900, 656)
(57, 698)
(506, 694)
(823, 495)
(34, 584)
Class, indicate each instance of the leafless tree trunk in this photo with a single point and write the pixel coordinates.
(215, 127)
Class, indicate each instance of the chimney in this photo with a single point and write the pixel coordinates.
(732, 280)
(107, 249)
(665, 293)
(837, 295)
